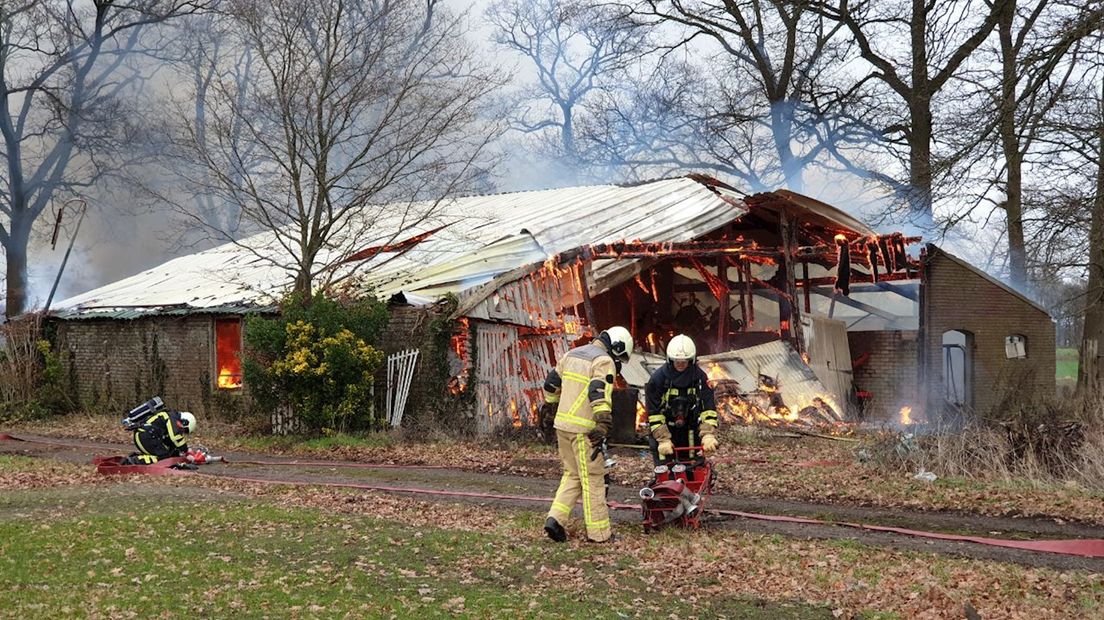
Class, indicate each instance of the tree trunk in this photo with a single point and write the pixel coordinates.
(781, 130)
(16, 257)
(920, 167)
(1090, 372)
(1010, 144)
(920, 126)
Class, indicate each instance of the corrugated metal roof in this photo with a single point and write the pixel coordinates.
(482, 236)
(778, 360)
(811, 206)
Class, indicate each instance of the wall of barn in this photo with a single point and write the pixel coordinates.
(114, 365)
(885, 367)
(410, 327)
(958, 298)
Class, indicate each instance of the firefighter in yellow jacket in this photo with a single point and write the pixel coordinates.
(581, 387)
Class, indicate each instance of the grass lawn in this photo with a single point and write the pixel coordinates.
(1066, 368)
(159, 550)
(79, 546)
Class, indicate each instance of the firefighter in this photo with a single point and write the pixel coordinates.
(162, 436)
(679, 401)
(581, 388)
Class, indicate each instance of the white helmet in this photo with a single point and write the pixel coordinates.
(681, 347)
(188, 421)
(620, 342)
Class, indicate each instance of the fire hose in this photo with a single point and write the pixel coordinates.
(1091, 548)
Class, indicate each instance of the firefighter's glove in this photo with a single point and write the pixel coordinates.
(709, 444)
(666, 448)
(596, 437)
(548, 421)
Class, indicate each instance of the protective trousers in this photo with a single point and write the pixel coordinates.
(150, 448)
(582, 477)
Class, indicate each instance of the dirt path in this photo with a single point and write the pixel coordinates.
(460, 480)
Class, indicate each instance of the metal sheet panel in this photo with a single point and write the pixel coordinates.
(777, 360)
(829, 353)
(516, 227)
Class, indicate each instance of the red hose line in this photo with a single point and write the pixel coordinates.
(341, 464)
(70, 444)
(1091, 548)
(1085, 547)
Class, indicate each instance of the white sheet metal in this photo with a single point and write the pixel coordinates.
(778, 360)
(482, 236)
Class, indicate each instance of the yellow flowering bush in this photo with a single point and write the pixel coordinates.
(319, 359)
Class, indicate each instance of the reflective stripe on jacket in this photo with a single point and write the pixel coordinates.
(582, 384)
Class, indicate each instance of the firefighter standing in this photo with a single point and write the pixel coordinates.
(581, 388)
(162, 436)
(679, 400)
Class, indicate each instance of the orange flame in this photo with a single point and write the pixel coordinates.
(514, 413)
(641, 417)
(716, 373)
(228, 379)
(906, 415)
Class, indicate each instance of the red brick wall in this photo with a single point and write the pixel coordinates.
(957, 298)
(889, 372)
(117, 364)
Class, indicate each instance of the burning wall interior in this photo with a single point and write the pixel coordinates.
(228, 347)
(744, 285)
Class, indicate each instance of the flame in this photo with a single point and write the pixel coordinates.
(227, 378)
(514, 413)
(228, 343)
(641, 417)
(715, 373)
(765, 406)
(571, 325)
(906, 415)
(805, 357)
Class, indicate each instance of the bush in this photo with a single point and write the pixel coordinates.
(319, 359)
(1042, 441)
(33, 382)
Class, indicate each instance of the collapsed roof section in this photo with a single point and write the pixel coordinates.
(505, 254)
(455, 246)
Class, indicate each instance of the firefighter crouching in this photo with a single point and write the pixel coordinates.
(681, 408)
(581, 388)
(162, 436)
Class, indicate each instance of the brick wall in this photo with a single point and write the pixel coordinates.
(889, 372)
(959, 298)
(408, 328)
(117, 364)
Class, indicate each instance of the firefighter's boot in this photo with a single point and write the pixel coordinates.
(554, 530)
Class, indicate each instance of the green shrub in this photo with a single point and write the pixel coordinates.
(319, 359)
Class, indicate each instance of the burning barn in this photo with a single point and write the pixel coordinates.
(801, 312)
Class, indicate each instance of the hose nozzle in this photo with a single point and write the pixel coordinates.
(647, 493)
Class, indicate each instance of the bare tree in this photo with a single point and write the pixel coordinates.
(352, 107)
(206, 53)
(63, 71)
(1065, 221)
(1028, 73)
(757, 113)
(577, 50)
(936, 39)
